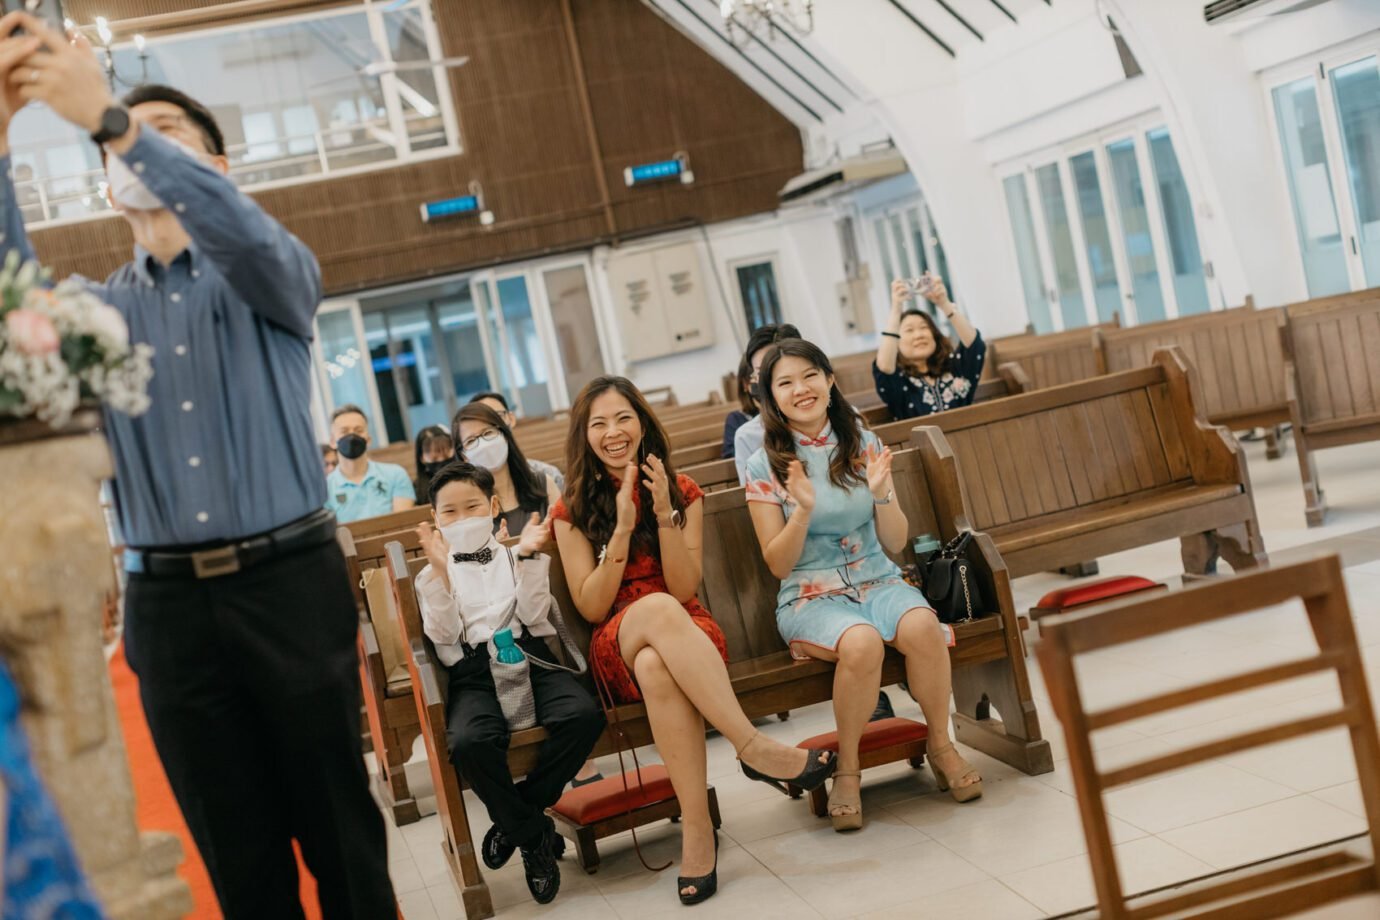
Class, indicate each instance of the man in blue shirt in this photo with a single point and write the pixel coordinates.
(361, 488)
(240, 620)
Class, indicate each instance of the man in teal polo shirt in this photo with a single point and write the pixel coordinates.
(359, 487)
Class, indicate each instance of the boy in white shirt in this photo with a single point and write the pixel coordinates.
(465, 592)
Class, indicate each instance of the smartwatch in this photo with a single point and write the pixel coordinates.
(114, 123)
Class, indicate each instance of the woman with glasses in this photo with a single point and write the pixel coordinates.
(483, 439)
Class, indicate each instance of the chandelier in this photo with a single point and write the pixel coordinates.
(746, 18)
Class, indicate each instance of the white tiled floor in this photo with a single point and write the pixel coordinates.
(1018, 852)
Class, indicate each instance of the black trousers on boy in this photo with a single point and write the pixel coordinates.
(477, 735)
(251, 690)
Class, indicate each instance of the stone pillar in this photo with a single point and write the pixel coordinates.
(55, 570)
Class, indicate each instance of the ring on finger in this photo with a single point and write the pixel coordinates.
(33, 75)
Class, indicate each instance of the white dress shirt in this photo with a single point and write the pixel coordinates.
(471, 611)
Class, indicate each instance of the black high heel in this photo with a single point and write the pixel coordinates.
(814, 775)
(705, 885)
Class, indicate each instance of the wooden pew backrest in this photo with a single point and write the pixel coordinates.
(1053, 358)
(1236, 354)
(1334, 344)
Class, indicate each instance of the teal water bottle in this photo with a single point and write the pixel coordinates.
(926, 544)
(508, 652)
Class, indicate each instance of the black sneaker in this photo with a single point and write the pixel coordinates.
(883, 710)
(539, 862)
(496, 849)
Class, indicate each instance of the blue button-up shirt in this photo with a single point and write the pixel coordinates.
(226, 450)
(371, 496)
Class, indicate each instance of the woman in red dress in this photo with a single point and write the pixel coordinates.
(629, 531)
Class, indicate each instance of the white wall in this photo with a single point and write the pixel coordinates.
(809, 262)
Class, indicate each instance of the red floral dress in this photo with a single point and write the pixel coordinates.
(641, 576)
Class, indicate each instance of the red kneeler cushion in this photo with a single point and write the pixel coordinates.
(879, 734)
(1093, 591)
(594, 802)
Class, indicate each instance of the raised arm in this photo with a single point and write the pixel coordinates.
(891, 335)
(938, 295)
(13, 51)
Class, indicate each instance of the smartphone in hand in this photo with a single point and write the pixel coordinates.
(47, 10)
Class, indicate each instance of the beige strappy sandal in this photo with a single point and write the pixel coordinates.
(851, 822)
(961, 794)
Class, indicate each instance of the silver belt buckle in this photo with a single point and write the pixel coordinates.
(213, 563)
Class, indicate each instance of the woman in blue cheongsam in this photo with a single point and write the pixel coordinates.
(825, 512)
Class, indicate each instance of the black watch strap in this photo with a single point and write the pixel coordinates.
(114, 123)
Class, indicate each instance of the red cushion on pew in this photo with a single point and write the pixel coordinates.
(879, 734)
(593, 802)
(1092, 591)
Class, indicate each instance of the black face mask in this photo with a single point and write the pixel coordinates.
(431, 469)
(351, 446)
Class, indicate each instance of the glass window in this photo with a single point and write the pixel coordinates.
(941, 263)
(1135, 230)
(1027, 253)
(1061, 246)
(295, 99)
(898, 239)
(394, 423)
(917, 238)
(1310, 188)
(1190, 284)
(1097, 236)
(464, 347)
(345, 364)
(884, 245)
(577, 336)
(1356, 88)
(757, 287)
(417, 371)
(526, 361)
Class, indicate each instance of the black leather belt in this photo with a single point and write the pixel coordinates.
(226, 559)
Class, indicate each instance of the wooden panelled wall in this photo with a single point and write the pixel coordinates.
(525, 138)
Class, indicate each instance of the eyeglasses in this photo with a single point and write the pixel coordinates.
(487, 434)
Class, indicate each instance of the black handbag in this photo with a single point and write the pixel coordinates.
(950, 582)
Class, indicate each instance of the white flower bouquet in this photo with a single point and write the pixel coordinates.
(61, 347)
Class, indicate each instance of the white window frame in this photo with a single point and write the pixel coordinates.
(732, 265)
(1312, 67)
(387, 83)
(1134, 129)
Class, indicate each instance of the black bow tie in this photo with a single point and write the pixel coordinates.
(483, 557)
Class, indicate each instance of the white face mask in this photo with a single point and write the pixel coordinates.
(491, 454)
(129, 191)
(468, 535)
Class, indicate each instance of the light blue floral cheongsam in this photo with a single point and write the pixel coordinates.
(843, 578)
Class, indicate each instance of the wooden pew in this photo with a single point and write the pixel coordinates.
(1053, 358)
(1270, 891)
(713, 476)
(1073, 472)
(988, 660)
(1238, 357)
(1332, 380)
(392, 719)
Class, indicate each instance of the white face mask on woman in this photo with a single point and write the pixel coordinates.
(468, 535)
(490, 453)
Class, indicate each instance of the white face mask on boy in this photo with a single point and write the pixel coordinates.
(468, 535)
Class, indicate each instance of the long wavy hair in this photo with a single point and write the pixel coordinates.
(846, 466)
(530, 488)
(938, 361)
(590, 494)
(745, 400)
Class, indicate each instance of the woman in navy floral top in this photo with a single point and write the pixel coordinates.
(918, 371)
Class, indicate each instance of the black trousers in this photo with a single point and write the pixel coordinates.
(477, 736)
(251, 689)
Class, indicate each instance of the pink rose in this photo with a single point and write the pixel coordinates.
(31, 332)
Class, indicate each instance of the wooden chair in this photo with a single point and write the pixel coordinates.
(737, 587)
(1066, 474)
(389, 713)
(1237, 354)
(1332, 381)
(1275, 891)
